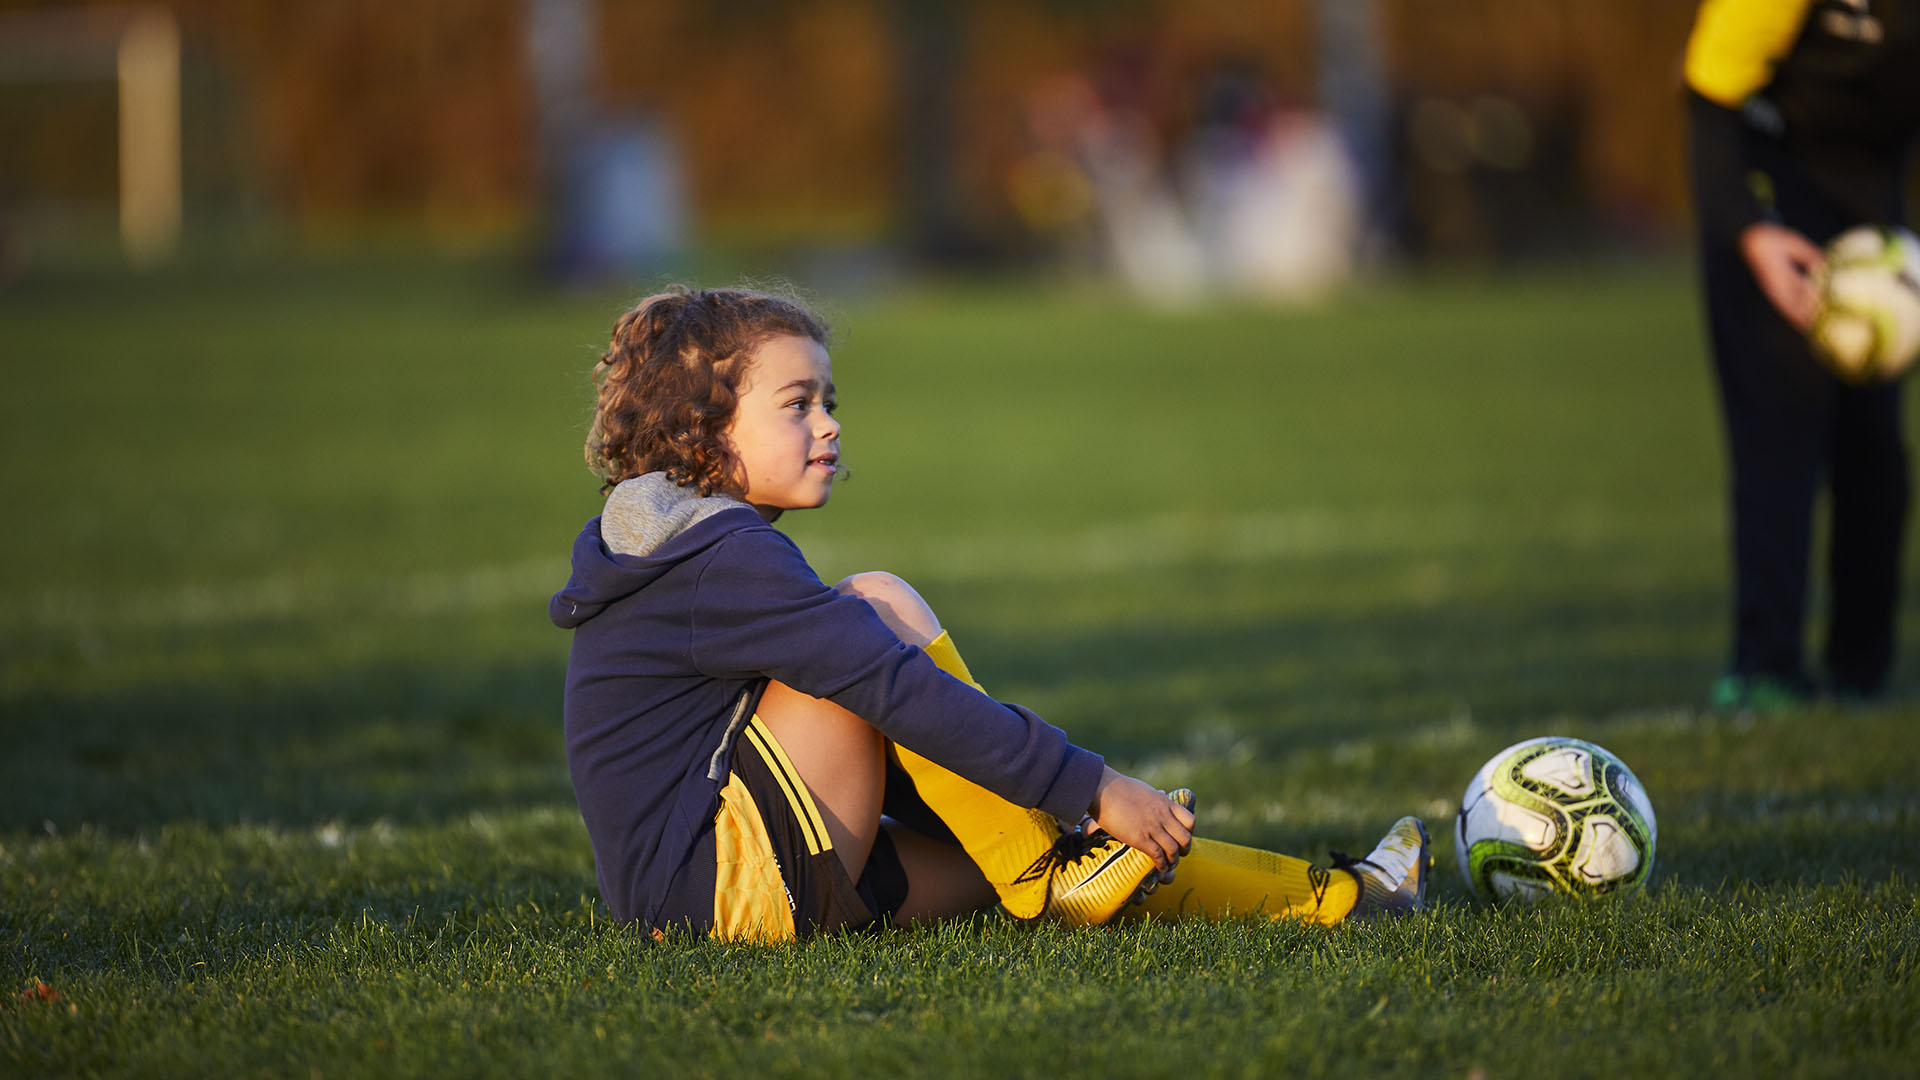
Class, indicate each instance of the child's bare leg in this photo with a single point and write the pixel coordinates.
(1003, 841)
(941, 880)
(842, 760)
(902, 609)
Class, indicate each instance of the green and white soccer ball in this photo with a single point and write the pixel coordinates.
(1868, 327)
(1554, 815)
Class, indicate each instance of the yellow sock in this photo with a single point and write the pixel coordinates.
(1002, 839)
(1215, 879)
(1218, 879)
(946, 655)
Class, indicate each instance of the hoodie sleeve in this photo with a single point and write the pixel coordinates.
(761, 610)
(1728, 201)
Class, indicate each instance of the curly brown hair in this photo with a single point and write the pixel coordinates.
(665, 389)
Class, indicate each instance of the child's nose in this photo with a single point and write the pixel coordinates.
(827, 427)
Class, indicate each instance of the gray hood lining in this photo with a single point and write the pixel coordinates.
(643, 513)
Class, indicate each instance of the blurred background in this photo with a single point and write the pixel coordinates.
(1296, 400)
(1271, 149)
(1247, 384)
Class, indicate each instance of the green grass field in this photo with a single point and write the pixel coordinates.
(283, 790)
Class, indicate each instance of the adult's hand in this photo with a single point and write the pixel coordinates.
(1784, 261)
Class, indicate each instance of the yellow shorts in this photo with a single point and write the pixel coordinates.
(776, 875)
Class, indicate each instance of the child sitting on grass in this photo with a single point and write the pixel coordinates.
(757, 754)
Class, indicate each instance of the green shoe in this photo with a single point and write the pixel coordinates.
(1757, 694)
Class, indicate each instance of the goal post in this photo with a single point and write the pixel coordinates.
(147, 66)
(138, 48)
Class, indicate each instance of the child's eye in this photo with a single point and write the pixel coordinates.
(797, 403)
(832, 406)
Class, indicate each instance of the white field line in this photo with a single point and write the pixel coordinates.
(1115, 547)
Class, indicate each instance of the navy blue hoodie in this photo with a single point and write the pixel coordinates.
(678, 624)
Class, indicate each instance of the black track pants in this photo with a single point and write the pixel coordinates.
(1791, 427)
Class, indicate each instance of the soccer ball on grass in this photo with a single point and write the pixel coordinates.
(1554, 815)
(1868, 326)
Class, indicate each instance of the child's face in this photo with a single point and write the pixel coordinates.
(783, 432)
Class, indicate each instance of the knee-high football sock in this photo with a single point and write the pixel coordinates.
(1217, 879)
(1002, 839)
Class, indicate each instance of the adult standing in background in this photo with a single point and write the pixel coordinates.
(1802, 113)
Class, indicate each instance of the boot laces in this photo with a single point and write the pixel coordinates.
(1069, 849)
(1344, 861)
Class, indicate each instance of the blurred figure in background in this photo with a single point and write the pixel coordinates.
(1276, 195)
(1252, 199)
(1801, 113)
(612, 187)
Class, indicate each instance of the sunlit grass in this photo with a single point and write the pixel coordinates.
(284, 791)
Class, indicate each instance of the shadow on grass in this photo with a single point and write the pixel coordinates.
(1827, 834)
(1289, 681)
(427, 740)
(404, 743)
(212, 901)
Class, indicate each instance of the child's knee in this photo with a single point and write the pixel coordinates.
(898, 605)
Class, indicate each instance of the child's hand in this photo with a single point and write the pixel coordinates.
(1142, 817)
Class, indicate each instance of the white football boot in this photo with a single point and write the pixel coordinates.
(1393, 876)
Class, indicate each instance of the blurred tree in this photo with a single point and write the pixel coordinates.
(930, 39)
(847, 117)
